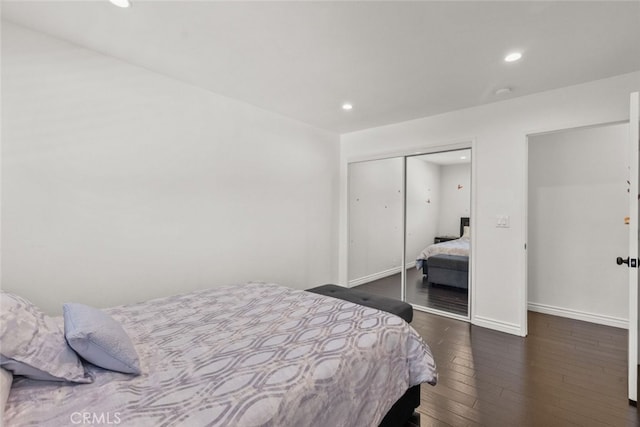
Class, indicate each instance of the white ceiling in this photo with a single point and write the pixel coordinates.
(393, 61)
(446, 158)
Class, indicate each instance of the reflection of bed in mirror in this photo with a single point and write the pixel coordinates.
(447, 263)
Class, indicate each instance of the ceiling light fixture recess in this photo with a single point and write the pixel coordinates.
(347, 106)
(512, 57)
(121, 3)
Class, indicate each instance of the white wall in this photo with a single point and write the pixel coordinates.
(423, 200)
(375, 218)
(119, 184)
(577, 201)
(455, 201)
(499, 297)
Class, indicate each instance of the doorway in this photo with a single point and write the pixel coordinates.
(577, 203)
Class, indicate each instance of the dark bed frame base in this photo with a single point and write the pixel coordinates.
(447, 270)
(401, 411)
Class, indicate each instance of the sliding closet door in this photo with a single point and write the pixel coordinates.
(438, 205)
(375, 226)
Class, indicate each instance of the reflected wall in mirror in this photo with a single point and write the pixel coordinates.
(438, 209)
(375, 226)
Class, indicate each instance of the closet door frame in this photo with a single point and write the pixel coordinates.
(468, 143)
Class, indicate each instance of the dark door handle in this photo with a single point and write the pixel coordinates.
(631, 262)
(621, 261)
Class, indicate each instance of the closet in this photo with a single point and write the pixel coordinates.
(401, 208)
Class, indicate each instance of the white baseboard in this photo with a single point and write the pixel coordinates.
(601, 319)
(379, 275)
(374, 276)
(496, 325)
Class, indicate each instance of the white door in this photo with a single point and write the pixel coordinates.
(632, 260)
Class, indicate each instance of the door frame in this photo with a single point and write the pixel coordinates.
(632, 283)
(525, 191)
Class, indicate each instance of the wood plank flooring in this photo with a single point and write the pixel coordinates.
(444, 298)
(565, 373)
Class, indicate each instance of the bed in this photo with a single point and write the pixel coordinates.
(252, 355)
(447, 263)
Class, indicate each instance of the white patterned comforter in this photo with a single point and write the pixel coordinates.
(459, 246)
(250, 355)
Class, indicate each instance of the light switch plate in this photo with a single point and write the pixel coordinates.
(502, 221)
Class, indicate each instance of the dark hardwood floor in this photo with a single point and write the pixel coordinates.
(565, 373)
(445, 298)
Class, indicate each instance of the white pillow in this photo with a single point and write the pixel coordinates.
(6, 378)
(33, 344)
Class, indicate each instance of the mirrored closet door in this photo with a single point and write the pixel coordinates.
(375, 226)
(421, 204)
(438, 207)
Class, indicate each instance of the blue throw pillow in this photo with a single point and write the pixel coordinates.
(99, 339)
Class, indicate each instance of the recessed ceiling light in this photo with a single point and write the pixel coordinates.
(347, 106)
(512, 57)
(121, 3)
(463, 157)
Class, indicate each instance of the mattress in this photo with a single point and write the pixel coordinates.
(461, 247)
(252, 355)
